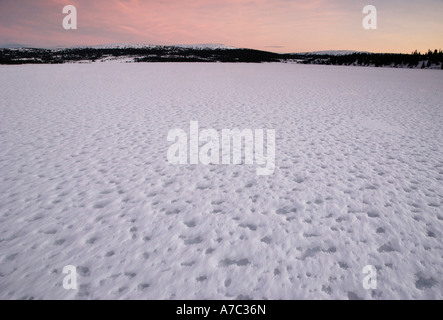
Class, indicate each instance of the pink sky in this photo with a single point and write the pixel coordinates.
(274, 25)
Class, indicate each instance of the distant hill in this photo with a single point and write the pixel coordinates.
(428, 60)
(332, 52)
(187, 46)
(137, 53)
(12, 46)
(214, 53)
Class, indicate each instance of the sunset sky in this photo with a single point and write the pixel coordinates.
(273, 25)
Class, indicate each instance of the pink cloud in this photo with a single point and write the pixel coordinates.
(290, 25)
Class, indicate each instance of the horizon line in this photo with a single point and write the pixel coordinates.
(114, 45)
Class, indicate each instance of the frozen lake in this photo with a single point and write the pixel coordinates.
(85, 181)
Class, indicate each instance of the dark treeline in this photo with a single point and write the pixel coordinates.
(430, 59)
(147, 54)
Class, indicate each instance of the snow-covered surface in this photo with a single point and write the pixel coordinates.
(84, 181)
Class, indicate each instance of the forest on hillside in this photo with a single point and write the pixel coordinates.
(429, 60)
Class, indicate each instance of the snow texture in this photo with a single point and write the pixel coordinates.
(84, 181)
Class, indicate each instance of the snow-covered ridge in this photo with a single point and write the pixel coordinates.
(205, 46)
(333, 52)
(122, 46)
(136, 46)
